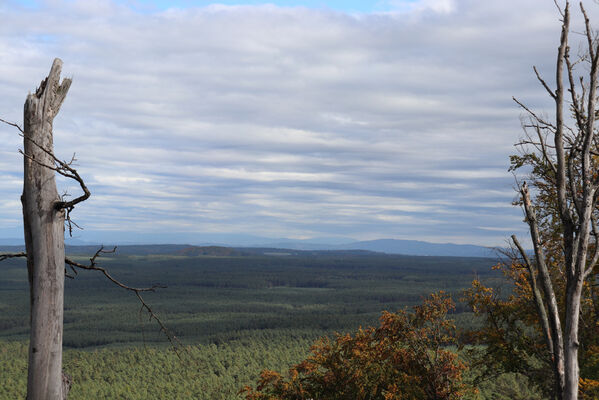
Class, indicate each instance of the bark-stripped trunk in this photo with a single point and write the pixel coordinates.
(44, 240)
(572, 371)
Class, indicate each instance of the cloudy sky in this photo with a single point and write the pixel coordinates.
(298, 119)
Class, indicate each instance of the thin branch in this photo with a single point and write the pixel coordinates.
(532, 114)
(93, 266)
(538, 298)
(12, 124)
(588, 189)
(559, 9)
(546, 284)
(536, 125)
(559, 122)
(174, 340)
(547, 88)
(572, 183)
(588, 32)
(575, 103)
(65, 169)
(573, 149)
(12, 255)
(542, 146)
(23, 254)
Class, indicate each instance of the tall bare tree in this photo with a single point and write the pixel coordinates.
(45, 215)
(560, 199)
(43, 222)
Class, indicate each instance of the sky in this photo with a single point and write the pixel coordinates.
(348, 6)
(293, 119)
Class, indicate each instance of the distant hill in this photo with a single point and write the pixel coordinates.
(418, 248)
(393, 246)
(288, 246)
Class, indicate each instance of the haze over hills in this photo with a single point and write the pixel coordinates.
(389, 246)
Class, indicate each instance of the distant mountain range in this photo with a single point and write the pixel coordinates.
(389, 246)
(396, 246)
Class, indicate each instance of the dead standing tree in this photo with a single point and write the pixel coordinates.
(45, 214)
(561, 200)
(43, 223)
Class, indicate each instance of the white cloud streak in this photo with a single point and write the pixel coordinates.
(284, 121)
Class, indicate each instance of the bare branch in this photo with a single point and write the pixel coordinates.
(588, 32)
(172, 338)
(546, 284)
(565, 214)
(93, 266)
(13, 124)
(572, 183)
(544, 150)
(575, 103)
(547, 88)
(533, 115)
(538, 298)
(65, 169)
(559, 9)
(12, 255)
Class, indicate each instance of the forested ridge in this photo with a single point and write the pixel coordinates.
(235, 315)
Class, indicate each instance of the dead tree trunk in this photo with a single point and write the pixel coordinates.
(44, 217)
(43, 220)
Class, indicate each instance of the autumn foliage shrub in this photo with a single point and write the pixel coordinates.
(406, 357)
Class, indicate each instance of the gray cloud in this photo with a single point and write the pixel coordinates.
(284, 121)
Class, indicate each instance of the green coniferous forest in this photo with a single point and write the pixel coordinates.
(235, 315)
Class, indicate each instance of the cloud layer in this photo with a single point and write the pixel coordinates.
(283, 122)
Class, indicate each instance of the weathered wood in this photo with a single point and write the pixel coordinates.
(553, 316)
(44, 239)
